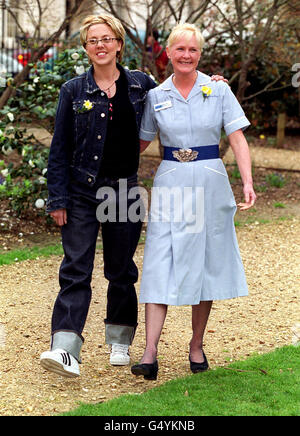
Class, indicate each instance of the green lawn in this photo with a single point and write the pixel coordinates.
(262, 385)
(19, 255)
(14, 256)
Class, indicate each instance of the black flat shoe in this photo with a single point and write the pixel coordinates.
(199, 367)
(148, 370)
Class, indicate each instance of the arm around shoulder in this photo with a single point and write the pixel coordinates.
(144, 79)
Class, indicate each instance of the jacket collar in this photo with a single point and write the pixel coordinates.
(91, 85)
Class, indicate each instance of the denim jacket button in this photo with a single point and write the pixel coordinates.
(99, 136)
(90, 180)
(103, 115)
(96, 157)
(102, 93)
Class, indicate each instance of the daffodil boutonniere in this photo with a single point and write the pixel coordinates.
(87, 106)
(206, 91)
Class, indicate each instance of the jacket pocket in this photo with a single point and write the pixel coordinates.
(82, 115)
(82, 121)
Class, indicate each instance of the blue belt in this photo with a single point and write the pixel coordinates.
(191, 154)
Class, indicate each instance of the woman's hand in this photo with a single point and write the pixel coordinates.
(217, 77)
(250, 197)
(59, 216)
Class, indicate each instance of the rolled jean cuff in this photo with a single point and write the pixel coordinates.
(68, 341)
(119, 334)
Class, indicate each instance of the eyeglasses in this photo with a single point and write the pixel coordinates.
(95, 41)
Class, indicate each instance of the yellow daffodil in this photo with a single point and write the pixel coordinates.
(87, 105)
(206, 91)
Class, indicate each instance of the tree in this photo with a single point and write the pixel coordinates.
(149, 15)
(245, 35)
(252, 25)
(248, 24)
(36, 49)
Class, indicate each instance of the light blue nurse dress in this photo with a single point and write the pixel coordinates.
(191, 252)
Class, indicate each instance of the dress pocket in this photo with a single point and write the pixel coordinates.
(165, 173)
(216, 171)
(223, 206)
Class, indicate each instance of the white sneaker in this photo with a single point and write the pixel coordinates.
(119, 354)
(61, 362)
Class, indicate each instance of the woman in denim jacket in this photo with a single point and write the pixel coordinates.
(95, 145)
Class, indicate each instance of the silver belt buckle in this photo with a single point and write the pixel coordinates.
(185, 155)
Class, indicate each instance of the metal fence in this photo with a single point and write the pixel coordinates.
(15, 50)
(15, 56)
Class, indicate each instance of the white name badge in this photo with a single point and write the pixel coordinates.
(163, 105)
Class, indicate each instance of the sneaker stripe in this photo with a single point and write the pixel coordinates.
(69, 359)
(66, 359)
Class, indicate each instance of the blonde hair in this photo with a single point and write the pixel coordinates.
(112, 22)
(185, 30)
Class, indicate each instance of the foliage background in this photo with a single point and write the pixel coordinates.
(231, 36)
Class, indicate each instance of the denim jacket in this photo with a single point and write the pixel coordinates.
(80, 131)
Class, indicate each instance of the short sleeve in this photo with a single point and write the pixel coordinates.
(149, 125)
(234, 117)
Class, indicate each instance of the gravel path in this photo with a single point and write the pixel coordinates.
(258, 323)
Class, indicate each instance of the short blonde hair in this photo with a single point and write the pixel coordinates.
(185, 30)
(112, 22)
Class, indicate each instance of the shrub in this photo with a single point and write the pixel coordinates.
(23, 179)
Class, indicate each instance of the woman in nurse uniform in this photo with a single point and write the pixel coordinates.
(191, 253)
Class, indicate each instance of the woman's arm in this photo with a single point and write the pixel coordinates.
(241, 152)
(60, 154)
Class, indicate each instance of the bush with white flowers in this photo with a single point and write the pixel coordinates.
(23, 159)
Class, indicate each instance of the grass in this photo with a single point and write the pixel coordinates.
(148, 183)
(262, 385)
(280, 205)
(276, 180)
(250, 220)
(19, 255)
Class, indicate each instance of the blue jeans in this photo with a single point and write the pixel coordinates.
(79, 237)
